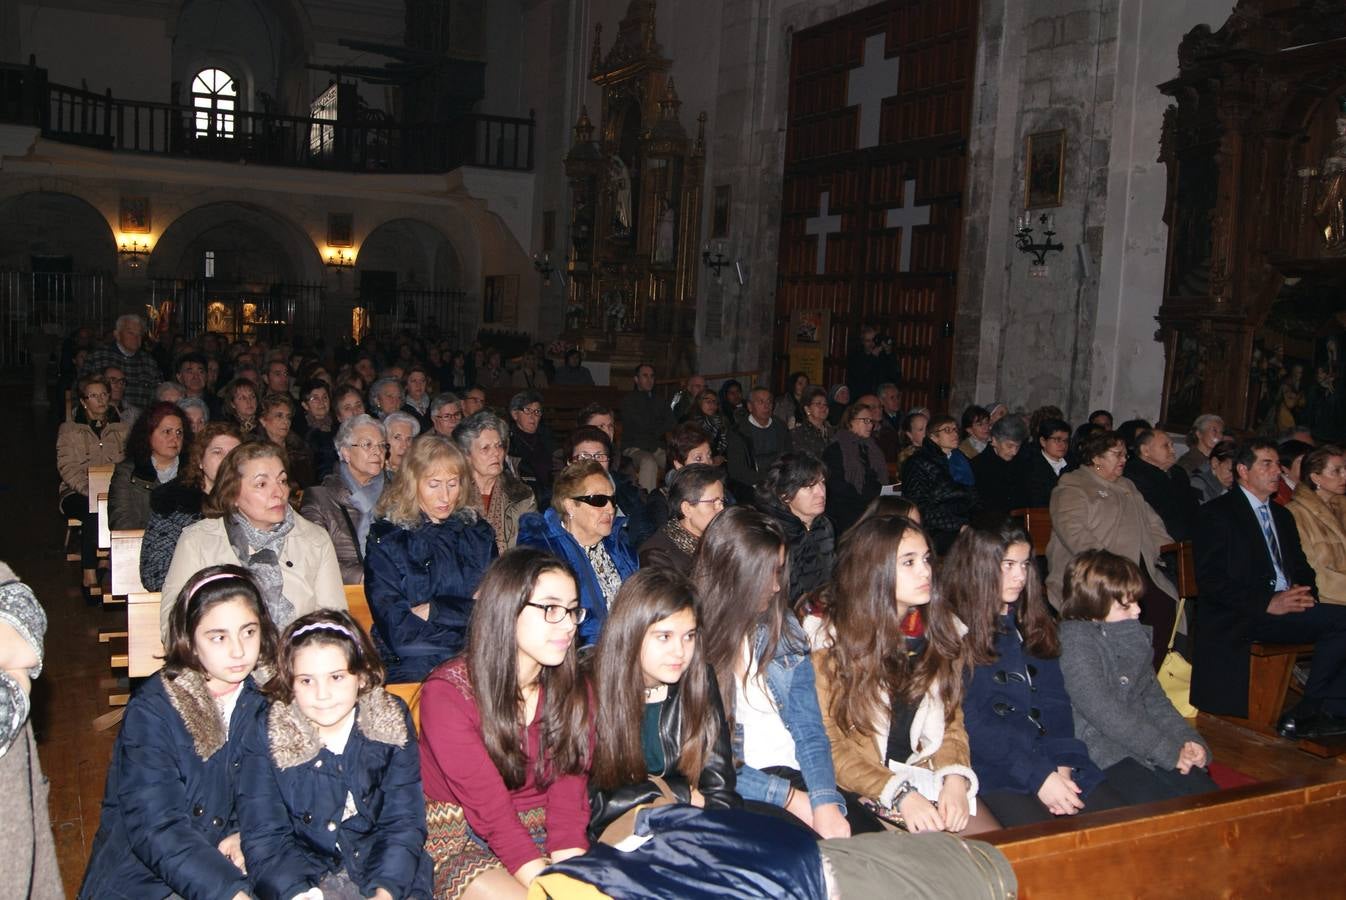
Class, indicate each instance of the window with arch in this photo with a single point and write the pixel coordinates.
(215, 99)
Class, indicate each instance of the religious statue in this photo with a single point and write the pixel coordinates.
(1331, 211)
(619, 188)
(614, 313)
(663, 232)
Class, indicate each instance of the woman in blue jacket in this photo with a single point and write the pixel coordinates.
(168, 826)
(1016, 710)
(583, 528)
(426, 553)
(760, 655)
(330, 794)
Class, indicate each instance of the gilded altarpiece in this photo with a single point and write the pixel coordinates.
(1253, 320)
(636, 186)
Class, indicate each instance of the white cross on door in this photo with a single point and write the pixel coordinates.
(822, 225)
(905, 217)
(868, 85)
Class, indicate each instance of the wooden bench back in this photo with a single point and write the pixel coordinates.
(100, 481)
(1038, 523)
(125, 553)
(144, 646)
(358, 605)
(1233, 833)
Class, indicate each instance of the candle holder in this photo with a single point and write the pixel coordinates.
(1023, 239)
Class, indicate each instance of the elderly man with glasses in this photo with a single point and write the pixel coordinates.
(126, 352)
(446, 411)
(758, 441)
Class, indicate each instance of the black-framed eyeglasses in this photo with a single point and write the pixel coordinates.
(596, 500)
(555, 614)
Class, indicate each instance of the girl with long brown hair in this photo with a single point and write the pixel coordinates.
(760, 656)
(657, 706)
(504, 735)
(1015, 707)
(892, 706)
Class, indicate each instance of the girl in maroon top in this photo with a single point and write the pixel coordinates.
(504, 741)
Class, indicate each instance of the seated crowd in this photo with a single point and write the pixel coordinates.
(718, 621)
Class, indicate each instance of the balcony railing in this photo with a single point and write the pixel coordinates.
(79, 116)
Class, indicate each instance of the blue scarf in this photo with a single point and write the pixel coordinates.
(363, 499)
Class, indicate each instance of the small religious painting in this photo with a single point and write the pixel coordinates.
(340, 230)
(1045, 169)
(719, 212)
(807, 327)
(500, 300)
(135, 215)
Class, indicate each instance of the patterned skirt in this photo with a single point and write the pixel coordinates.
(459, 855)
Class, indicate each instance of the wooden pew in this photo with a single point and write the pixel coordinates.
(144, 646)
(124, 547)
(100, 480)
(1038, 523)
(359, 610)
(1275, 839)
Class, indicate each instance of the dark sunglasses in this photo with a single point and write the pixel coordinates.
(598, 500)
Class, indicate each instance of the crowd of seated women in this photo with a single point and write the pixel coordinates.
(786, 687)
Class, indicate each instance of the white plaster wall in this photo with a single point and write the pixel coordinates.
(1128, 371)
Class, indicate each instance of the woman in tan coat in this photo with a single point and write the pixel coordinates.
(891, 704)
(95, 436)
(1096, 508)
(1319, 508)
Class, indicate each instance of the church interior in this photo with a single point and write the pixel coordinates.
(1131, 206)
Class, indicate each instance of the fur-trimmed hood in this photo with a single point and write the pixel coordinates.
(292, 739)
(190, 697)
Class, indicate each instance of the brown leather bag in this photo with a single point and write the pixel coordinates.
(622, 827)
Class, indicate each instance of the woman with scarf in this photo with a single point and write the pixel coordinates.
(153, 450)
(695, 498)
(248, 521)
(343, 504)
(856, 470)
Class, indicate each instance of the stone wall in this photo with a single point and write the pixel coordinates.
(1083, 336)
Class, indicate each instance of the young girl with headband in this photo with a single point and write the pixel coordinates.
(330, 795)
(168, 826)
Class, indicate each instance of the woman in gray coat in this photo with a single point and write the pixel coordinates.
(1122, 715)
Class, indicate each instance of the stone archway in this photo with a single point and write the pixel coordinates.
(410, 274)
(48, 225)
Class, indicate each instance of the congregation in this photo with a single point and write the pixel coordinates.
(782, 629)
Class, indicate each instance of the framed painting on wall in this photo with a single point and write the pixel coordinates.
(1044, 169)
(135, 215)
(340, 229)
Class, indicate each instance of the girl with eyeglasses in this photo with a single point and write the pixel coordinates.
(1015, 706)
(657, 706)
(426, 554)
(330, 800)
(583, 528)
(1145, 747)
(505, 735)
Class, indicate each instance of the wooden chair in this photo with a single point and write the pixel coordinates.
(100, 480)
(71, 526)
(144, 646)
(1038, 524)
(410, 692)
(358, 605)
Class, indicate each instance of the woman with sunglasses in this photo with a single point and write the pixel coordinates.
(1028, 761)
(583, 528)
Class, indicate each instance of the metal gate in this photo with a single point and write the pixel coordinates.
(236, 311)
(38, 309)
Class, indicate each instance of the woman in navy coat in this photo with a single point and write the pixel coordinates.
(168, 825)
(330, 793)
(426, 552)
(583, 528)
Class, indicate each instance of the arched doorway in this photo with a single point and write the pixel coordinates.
(237, 270)
(409, 277)
(58, 262)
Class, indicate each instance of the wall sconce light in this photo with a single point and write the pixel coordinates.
(546, 268)
(717, 260)
(1023, 239)
(339, 259)
(134, 252)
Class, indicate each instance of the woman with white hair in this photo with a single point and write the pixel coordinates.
(386, 396)
(499, 496)
(343, 503)
(401, 428)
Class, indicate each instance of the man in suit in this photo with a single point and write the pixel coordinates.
(1256, 585)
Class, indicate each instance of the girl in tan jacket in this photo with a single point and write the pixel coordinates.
(891, 705)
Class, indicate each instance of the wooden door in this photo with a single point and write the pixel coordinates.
(871, 208)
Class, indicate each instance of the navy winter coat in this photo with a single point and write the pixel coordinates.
(292, 797)
(546, 532)
(1004, 706)
(170, 793)
(440, 564)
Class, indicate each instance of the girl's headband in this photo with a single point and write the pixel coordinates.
(218, 576)
(327, 626)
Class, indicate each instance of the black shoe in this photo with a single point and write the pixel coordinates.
(1295, 725)
(1324, 725)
